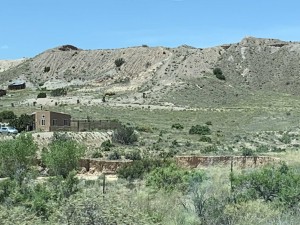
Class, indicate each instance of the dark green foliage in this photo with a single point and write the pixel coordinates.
(22, 122)
(119, 62)
(42, 95)
(115, 155)
(173, 177)
(17, 156)
(38, 197)
(247, 152)
(177, 126)
(58, 92)
(218, 73)
(198, 129)
(106, 145)
(62, 156)
(125, 135)
(133, 155)
(286, 138)
(138, 168)
(208, 123)
(7, 115)
(204, 138)
(280, 184)
(46, 69)
(210, 149)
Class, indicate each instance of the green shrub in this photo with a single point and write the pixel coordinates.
(177, 126)
(42, 95)
(173, 177)
(62, 156)
(125, 135)
(119, 62)
(218, 73)
(208, 123)
(144, 129)
(7, 115)
(198, 129)
(138, 168)
(58, 92)
(210, 149)
(106, 145)
(286, 139)
(133, 155)
(17, 155)
(115, 155)
(247, 152)
(271, 183)
(204, 138)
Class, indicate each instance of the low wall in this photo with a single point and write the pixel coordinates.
(104, 166)
(240, 161)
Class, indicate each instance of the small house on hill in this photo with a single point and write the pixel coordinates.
(51, 121)
(17, 85)
(2, 92)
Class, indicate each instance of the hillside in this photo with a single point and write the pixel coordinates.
(181, 76)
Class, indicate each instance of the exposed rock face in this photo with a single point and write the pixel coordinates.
(180, 76)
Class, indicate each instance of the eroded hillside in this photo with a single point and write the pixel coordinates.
(181, 76)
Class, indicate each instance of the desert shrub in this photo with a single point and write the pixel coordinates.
(218, 73)
(62, 156)
(198, 129)
(115, 155)
(262, 148)
(177, 126)
(144, 129)
(133, 155)
(46, 69)
(58, 92)
(173, 177)
(7, 115)
(286, 138)
(210, 149)
(125, 135)
(42, 95)
(106, 145)
(208, 123)
(97, 154)
(204, 138)
(138, 168)
(17, 156)
(247, 152)
(271, 183)
(119, 62)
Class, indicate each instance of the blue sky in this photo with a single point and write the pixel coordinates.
(29, 27)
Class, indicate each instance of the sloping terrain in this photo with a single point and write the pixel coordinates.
(181, 76)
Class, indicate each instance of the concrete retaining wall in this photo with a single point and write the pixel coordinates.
(240, 161)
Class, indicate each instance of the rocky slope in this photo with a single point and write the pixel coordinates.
(159, 75)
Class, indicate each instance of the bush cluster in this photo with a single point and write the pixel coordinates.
(119, 62)
(198, 129)
(42, 95)
(177, 126)
(58, 92)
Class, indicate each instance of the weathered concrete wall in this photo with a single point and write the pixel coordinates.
(240, 161)
(111, 166)
(101, 165)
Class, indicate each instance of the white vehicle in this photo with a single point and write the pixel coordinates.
(8, 130)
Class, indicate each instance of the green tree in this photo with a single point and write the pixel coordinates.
(22, 122)
(7, 115)
(17, 156)
(125, 135)
(62, 156)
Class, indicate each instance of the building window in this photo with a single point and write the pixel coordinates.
(43, 120)
(54, 122)
(66, 123)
